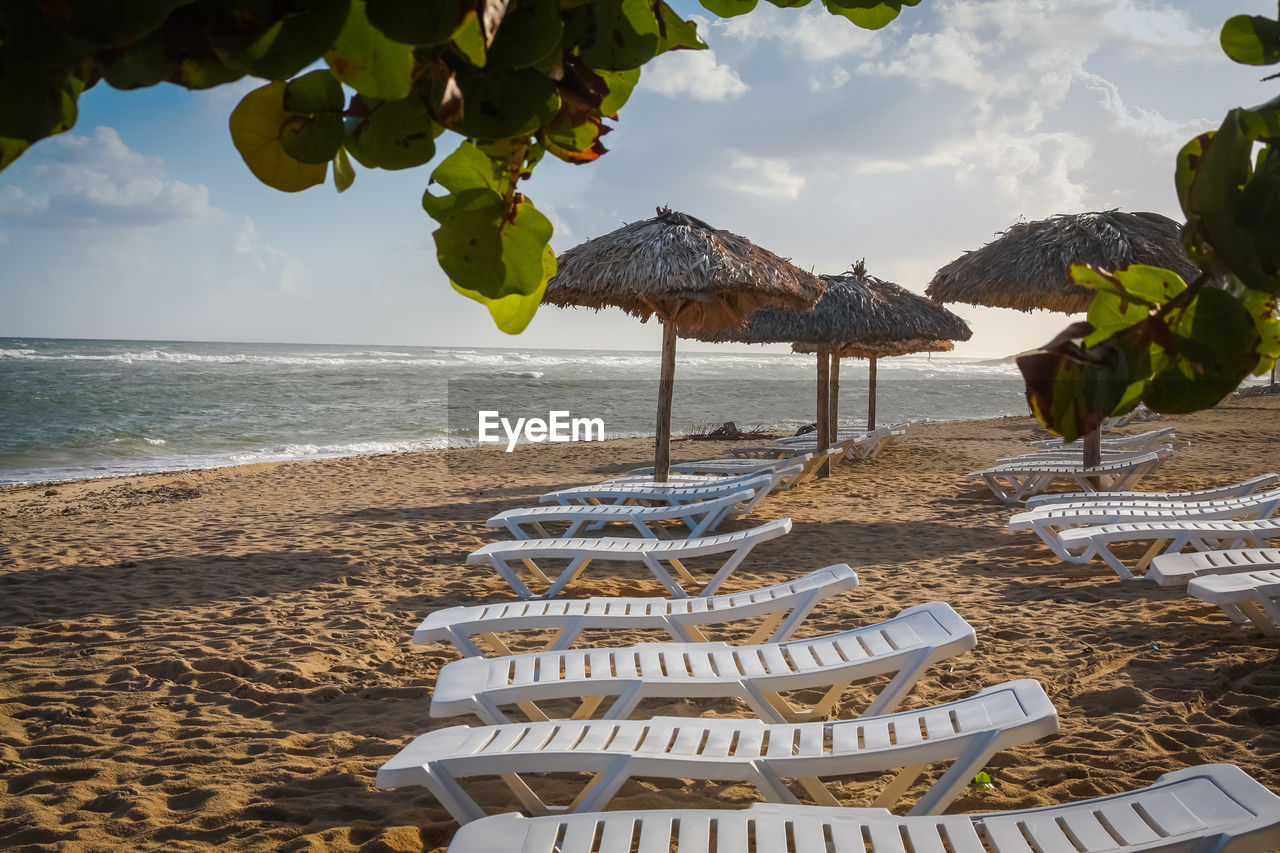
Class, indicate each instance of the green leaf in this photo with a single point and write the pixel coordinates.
(677, 33)
(314, 92)
(512, 313)
(621, 84)
(1251, 40)
(313, 139)
(368, 61)
(256, 125)
(1212, 346)
(529, 33)
(789, 4)
(298, 39)
(868, 14)
(415, 21)
(728, 8)
(107, 23)
(395, 135)
(10, 150)
(615, 35)
(468, 39)
(38, 102)
(344, 175)
(467, 168)
(144, 63)
(501, 104)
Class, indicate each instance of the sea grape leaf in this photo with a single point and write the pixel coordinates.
(616, 35)
(344, 175)
(312, 139)
(395, 135)
(1124, 297)
(574, 142)
(728, 8)
(108, 23)
(468, 39)
(513, 312)
(314, 92)
(789, 4)
(415, 21)
(1233, 207)
(143, 63)
(38, 102)
(10, 150)
(298, 39)
(1251, 40)
(621, 84)
(530, 32)
(490, 250)
(1071, 388)
(675, 33)
(1212, 346)
(256, 125)
(501, 104)
(369, 62)
(868, 14)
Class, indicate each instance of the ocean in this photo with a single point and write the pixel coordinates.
(76, 409)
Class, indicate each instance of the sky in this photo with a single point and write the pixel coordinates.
(819, 141)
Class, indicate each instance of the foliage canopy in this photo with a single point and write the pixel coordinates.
(518, 79)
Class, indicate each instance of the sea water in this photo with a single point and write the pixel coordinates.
(74, 409)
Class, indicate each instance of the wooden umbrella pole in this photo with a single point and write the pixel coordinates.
(834, 424)
(824, 410)
(1093, 453)
(871, 395)
(666, 386)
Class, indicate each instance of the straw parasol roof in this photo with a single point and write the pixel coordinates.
(1027, 267)
(858, 312)
(680, 268)
(883, 349)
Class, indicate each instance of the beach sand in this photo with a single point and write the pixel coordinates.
(221, 659)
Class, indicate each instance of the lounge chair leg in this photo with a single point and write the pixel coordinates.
(525, 794)
(587, 708)
(495, 644)
(951, 783)
(897, 689)
(602, 787)
(898, 786)
(821, 794)
(764, 631)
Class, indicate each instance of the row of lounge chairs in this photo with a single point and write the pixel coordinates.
(579, 702)
(1225, 528)
(1125, 462)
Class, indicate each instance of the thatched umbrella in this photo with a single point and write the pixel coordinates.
(1028, 266)
(871, 351)
(694, 278)
(860, 315)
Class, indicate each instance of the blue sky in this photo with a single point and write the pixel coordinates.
(819, 141)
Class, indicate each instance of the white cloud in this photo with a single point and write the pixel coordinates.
(1166, 33)
(98, 181)
(253, 262)
(833, 78)
(692, 73)
(763, 176)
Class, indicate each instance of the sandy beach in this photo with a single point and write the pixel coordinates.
(221, 659)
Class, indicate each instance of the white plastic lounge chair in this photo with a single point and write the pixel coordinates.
(1049, 522)
(1082, 544)
(1213, 808)
(1013, 482)
(1245, 596)
(1077, 455)
(809, 459)
(906, 645)
(652, 552)
(719, 467)
(965, 733)
(783, 605)
(699, 517)
(1179, 569)
(1232, 490)
(1140, 441)
(874, 443)
(679, 492)
(842, 433)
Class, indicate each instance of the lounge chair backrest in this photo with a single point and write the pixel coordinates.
(785, 604)
(1213, 808)
(1262, 481)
